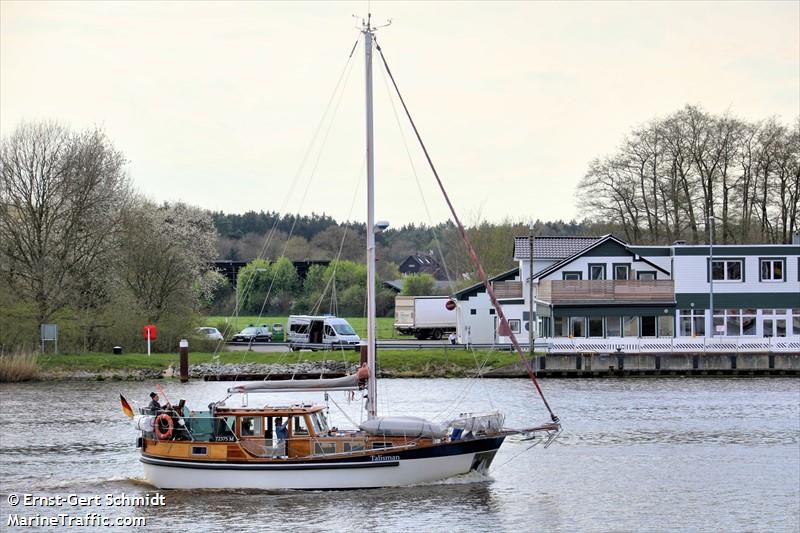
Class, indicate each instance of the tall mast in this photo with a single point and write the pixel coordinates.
(372, 384)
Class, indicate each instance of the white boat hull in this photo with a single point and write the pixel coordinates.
(379, 471)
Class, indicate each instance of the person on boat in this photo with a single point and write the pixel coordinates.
(153, 407)
(282, 433)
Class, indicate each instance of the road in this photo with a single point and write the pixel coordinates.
(266, 347)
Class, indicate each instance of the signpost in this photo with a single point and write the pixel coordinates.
(149, 333)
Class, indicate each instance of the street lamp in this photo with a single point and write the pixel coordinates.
(531, 317)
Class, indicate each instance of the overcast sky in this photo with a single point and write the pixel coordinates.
(215, 104)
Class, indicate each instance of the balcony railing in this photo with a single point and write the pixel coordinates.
(564, 291)
(507, 289)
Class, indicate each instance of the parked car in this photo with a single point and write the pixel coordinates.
(277, 332)
(254, 334)
(210, 333)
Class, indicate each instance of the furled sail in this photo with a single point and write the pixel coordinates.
(403, 426)
(351, 382)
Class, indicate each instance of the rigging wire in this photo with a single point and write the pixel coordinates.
(472, 254)
(262, 253)
(478, 365)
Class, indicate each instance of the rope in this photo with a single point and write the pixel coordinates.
(470, 250)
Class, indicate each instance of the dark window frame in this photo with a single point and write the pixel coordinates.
(783, 269)
(640, 272)
(601, 265)
(741, 260)
(614, 271)
(570, 272)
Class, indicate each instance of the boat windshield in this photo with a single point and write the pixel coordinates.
(320, 424)
(344, 329)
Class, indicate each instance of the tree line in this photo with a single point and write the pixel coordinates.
(694, 172)
(78, 247)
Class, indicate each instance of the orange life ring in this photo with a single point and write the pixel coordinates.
(163, 435)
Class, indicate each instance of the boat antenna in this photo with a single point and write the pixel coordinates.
(470, 249)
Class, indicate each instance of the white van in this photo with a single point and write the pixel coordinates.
(327, 331)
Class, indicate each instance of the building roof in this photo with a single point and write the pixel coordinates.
(397, 285)
(552, 247)
(472, 290)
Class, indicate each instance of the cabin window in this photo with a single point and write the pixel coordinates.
(379, 445)
(622, 272)
(199, 450)
(329, 331)
(250, 426)
(299, 427)
(772, 270)
(597, 272)
(354, 446)
(324, 448)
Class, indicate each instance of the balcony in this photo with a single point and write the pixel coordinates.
(507, 289)
(606, 291)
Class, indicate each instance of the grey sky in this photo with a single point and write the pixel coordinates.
(215, 103)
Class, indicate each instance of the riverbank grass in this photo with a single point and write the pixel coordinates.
(18, 367)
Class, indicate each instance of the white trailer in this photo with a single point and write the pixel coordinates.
(425, 317)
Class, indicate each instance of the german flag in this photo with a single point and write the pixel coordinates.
(126, 407)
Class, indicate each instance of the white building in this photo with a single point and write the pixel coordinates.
(601, 288)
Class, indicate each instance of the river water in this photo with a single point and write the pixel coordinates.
(635, 455)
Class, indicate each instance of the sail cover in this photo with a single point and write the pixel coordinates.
(350, 382)
(403, 426)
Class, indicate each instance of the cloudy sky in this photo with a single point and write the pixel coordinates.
(217, 104)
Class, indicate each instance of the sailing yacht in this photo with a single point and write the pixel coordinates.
(293, 446)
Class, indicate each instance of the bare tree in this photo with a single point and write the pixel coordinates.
(61, 198)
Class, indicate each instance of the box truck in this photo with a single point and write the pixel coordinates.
(425, 317)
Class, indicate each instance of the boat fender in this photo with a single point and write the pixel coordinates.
(157, 427)
(144, 422)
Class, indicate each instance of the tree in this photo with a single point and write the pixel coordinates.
(418, 285)
(165, 251)
(62, 197)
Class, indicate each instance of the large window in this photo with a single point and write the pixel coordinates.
(595, 326)
(597, 272)
(772, 270)
(692, 323)
(613, 327)
(774, 322)
(648, 326)
(622, 271)
(727, 270)
(630, 326)
(561, 326)
(734, 322)
(666, 326)
(577, 326)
